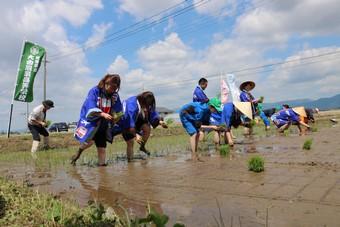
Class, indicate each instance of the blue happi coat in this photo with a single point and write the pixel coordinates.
(193, 115)
(287, 115)
(95, 102)
(132, 111)
(199, 95)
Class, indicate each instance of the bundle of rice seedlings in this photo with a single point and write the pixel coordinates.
(256, 164)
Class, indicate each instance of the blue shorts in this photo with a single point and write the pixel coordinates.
(188, 126)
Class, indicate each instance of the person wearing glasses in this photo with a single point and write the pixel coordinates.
(97, 115)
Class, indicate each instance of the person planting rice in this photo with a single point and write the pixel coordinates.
(139, 113)
(288, 116)
(199, 95)
(310, 115)
(37, 124)
(246, 96)
(231, 116)
(96, 117)
(192, 116)
(262, 115)
(214, 120)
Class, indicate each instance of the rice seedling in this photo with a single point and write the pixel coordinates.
(224, 150)
(314, 129)
(307, 145)
(286, 133)
(256, 164)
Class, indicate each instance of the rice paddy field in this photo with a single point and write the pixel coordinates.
(298, 187)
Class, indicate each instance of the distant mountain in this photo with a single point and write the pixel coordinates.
(322, 103)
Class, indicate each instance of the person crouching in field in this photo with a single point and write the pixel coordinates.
(37, 124)
(96, 116)
(192, 115)
(286, 117)
(310, 115)
(214, 120)
(139, 113)
(232, 116)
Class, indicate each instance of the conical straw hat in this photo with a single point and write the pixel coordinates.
(245, 108)
(300, 110)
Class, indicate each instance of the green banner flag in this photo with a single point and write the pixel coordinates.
(32, 55)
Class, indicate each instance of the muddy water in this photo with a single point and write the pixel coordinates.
(297, 188)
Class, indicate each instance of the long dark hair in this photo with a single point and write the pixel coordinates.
(111, 78)
(147, 100)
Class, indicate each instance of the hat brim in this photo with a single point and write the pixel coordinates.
(245, 108)
(244, 84)
(300, 111)
(219, 109)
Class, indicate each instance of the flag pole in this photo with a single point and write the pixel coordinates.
(15, 84)
(45, 75)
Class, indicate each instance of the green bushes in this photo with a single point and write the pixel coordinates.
(256, 164)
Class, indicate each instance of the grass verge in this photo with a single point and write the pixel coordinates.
(20, 206)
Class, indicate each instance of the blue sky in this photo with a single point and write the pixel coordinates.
(213, 37)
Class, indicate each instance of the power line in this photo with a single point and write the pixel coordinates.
(135, 30)
(130, 26)
(191, 24)
(244, 70)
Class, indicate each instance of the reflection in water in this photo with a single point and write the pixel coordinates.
(102, 186)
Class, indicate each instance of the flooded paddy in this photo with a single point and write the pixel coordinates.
(297, 188)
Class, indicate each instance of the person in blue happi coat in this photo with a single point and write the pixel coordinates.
(97, 117)
(193, 115)
(139, 115)
(286, 117)
(246, 96)
(231, 116)
(199, 95)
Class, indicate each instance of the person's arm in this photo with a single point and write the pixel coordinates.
(214, 127)
(42, 123)
(304, 124)
(35, 116)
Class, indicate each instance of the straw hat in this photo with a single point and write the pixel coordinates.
(300, 110)
(245, 108)
(244, 84)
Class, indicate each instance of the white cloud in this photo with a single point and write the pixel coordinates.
(275, 22)
(76, 12)
(171, 24)
(68, 79)
(216, 7)
(120, 65)
(143, 9)
(311, 78)
(98, 35)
